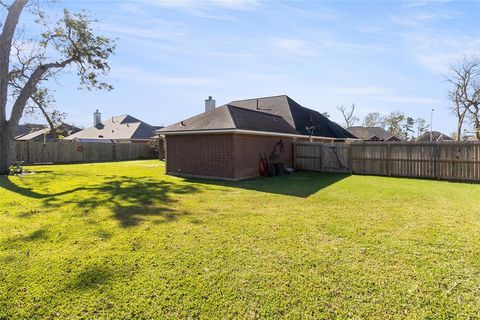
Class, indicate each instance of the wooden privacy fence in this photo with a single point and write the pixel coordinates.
(34, 152)
(441, 160)
(316, 156)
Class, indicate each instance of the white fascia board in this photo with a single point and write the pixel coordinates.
(240, 131)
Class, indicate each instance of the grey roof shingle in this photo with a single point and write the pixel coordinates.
(232, 117)
(270, 114)
(436, 136)
(62, 129)
(296, 115)
(367, 133)
(124, 127)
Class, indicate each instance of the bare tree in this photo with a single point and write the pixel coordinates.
(465, 93)
(474, 110)
(394, 123)
(348, 115)
(373, 119)
(422, 126)
(27, 63)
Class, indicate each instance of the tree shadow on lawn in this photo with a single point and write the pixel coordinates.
(299, 184)
(129, 199)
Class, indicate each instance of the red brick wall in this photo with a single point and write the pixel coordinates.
(200, 155)
(248, 149)
(222, 155)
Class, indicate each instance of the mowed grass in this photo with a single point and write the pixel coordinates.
(123, 240)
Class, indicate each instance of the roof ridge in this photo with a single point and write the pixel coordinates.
(267, 97)
(231, 116)
(253, 110)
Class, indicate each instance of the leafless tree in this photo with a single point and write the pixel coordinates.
(465, 93)
(422, 126)
(26, 63)
(348, 115)
(394, 123)
(373, 119)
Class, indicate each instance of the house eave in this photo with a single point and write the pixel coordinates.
(242, 131)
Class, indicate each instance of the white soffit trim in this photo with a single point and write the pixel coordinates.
(240, 131)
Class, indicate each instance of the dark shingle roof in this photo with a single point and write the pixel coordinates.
(271, 114)
(367, 133)
(296, 115)
(232, 117)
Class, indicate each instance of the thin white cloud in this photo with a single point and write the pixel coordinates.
(322, 43)
(323, 13)
(438, 51)
(423, 3)
(418, 19)
(204, 4)
(154, 30)
(378, 93)
(359, 91)
(290, 45)
(407, 100)
(207, 9)
(154, 78)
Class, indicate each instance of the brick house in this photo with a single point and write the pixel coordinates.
(226, 142)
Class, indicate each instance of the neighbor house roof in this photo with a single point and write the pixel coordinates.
(26, 128)
(271, 114)
(436, 136)
(62, 129)
(124, 127)
(373, 134)
(33, 135)
(232, 117)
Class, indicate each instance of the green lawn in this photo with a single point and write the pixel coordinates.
(123, 240)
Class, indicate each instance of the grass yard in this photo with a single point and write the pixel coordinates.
(123, 240)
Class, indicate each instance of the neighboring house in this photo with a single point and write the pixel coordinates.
(227, 142)
(373, 134)
(435, 136)
(45, 134)
(469, 138)
(23, 129)
(118, 129)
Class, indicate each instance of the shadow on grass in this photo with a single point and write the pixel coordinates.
(92, 277)
(129, 199)
(300, 184)
(39, 234)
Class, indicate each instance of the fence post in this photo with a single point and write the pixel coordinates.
(29, 161)
(350, 157)
(322, 157)
(388, 162)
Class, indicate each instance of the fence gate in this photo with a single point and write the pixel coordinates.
(327, 157)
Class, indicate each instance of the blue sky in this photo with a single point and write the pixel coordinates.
(382, 56)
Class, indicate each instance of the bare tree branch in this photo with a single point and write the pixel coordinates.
(348, 115)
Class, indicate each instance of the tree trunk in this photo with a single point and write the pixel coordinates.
(6, 148)
(53, 130)
(476, 126)
(459, 129)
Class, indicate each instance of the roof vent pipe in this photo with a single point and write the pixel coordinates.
(209, 104)
(97, 118)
